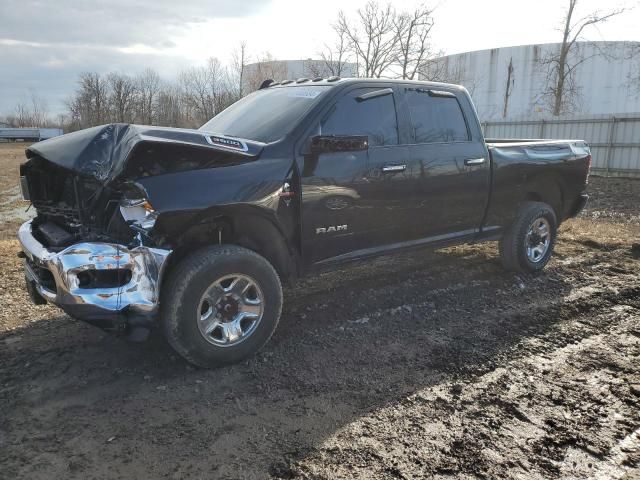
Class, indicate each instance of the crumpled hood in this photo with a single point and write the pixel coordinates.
(102, 151)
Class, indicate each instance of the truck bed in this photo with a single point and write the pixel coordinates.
(555, 170)
(508, 142)
(533, 151)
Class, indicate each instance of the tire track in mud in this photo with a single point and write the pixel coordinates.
(442, 271)
(624, 454)
(424, 362)
(499, 411)
(576, 310)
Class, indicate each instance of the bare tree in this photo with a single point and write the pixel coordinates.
(22, 117)
(444, 69)
(266, 67)
(39, 111)
(31, 112)
(122, 97)
(170, 109)
(195, 93)
(333, 58)
(633, 77)
(561, 64)
(372, 38)
(62, 121)
(89, 105)
(238, 67)
(508, 88)
(413, 30)
(148, 87)
(205, 90)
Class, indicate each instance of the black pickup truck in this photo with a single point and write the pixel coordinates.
(194, 230)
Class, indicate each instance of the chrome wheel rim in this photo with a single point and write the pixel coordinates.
(230, 310)
(538, 239)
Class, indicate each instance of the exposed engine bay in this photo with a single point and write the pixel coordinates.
(84, 186)
(72, 207)
(94, 247)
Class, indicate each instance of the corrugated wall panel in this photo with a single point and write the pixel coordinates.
(602, 77)
(625, 158)
(621, 136)
(599, 157)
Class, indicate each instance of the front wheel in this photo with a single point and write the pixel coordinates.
(528, 243)
(220, 305)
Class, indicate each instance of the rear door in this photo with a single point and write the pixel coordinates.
(453, 163)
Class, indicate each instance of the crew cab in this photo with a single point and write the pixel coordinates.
(195, 230)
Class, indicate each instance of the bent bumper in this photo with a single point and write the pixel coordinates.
(56, 277)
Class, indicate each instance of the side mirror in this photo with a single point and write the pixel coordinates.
(342, 143)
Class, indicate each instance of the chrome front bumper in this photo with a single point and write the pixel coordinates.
(139, 297)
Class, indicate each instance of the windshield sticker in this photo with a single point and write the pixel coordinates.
(302, 92)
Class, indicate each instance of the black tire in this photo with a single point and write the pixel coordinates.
(514, 243)
(181, 303)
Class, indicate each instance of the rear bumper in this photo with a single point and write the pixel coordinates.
(54, 276)
(579, 205)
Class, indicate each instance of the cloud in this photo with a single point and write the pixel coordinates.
(52, 73)
(112, 22)
(44, 44)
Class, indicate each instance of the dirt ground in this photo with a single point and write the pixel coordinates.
(424, 365)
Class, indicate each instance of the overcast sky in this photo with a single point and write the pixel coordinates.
(45, 44)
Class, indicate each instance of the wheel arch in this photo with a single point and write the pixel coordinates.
(246, 227)
(546, 189)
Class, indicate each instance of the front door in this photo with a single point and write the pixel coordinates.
(353, 201)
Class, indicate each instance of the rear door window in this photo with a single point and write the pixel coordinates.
(374, 116)
(436, 118)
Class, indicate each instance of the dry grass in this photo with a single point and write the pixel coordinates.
(11, 156)
(600, 232)
(17, 309)
(12, 207)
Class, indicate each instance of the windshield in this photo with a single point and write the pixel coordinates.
(265, 115)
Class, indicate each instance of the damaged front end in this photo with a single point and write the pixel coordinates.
(95, 248)
(106, 284)
(90, 249)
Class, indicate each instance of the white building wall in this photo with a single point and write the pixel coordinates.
(603, 79)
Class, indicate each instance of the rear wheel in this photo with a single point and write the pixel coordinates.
(528, 243)
(220, 305)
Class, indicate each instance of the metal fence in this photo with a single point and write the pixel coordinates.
(614, 140)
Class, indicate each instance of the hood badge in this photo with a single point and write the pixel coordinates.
(226, 142)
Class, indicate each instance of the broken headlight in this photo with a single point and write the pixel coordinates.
(138, 212)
